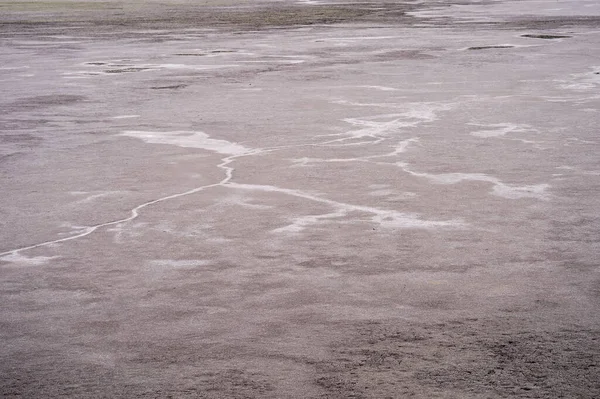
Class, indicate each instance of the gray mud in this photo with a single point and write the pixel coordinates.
(299, 199)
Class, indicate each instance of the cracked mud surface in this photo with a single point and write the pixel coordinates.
(299, 199)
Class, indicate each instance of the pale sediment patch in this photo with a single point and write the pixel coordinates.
(392, 195)
(14, 68)
(173, 138)
(192, 67)
(400, 148)
(310, 2)
(580, 141)
(500, 129)
(573, 169)
(18, 258)
(160, 269)
(378, 186)
(244, 202)
(378, 127)
(370, 128)
(189, 139)
(300, 223)
(162, 264)
(425, 111)
(219, 240)
(401, 220)
(537, 191)
(359, 104)
(274, 61)
(91, 196)
(381, 88)
(454, 178)
(252, 89)
(579, 100)
(125, 116)
(305, 161)
(582, 81)
(383, 217)
(422, 112)
(382, 193)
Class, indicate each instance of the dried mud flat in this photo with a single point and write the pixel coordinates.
(299, 199)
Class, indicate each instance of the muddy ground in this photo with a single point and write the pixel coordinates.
(299, 199)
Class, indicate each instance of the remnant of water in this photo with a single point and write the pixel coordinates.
(532, 36)
(489, 47)
(181, 86)
(126, 70)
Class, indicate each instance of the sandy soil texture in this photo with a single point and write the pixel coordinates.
(300, 199)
